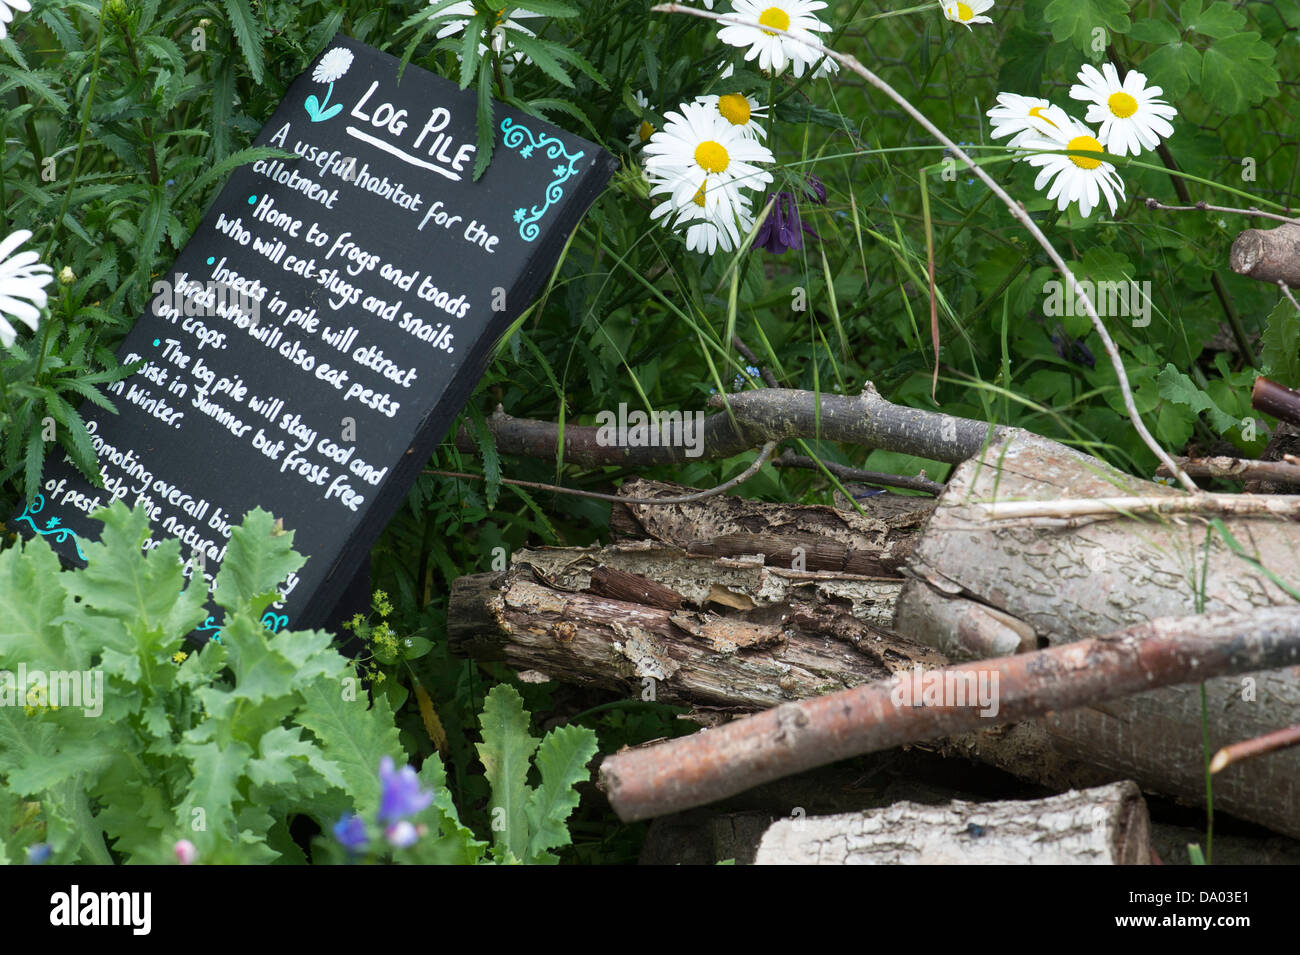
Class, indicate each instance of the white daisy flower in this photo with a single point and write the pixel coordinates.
(966, 13)
(705, 232)
(7, 8)
(739, 110)
(1020, 117)
(775, 50)
(1080, 178)
(23, 278)
(646, 129)
(500, 41)
(331, 66)
(700, 150)
(1131, 115)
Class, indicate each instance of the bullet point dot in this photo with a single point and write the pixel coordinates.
(252, 200)
(157, 342)
(211, 259)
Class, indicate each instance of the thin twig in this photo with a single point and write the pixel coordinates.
(1206, 207)
(918, 483)
(744, 476)
(1233, 469)
(1017, 211)
(1287, 292)
(1272, 505)
(1259, 746)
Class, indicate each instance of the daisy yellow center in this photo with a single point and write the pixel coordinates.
(734, 108)
(1084, 144)
(645, 130)
(774, 17)
(699, 197)
(1038, 111)
(1122, 105)
(712, 157)
(964, 12)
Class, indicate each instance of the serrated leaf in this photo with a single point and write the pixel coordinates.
(1177, 387)
(248, 33)
(215, 773)
(562, 760)
(486, 142)
(1280, 347)
(1154, 30)
(257, 561)
(1174, 68)
(1219, 20)
(505, 751)
(1237, 72)
(1075, 20)
(353, 736)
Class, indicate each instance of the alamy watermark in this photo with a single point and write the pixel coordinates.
(654, 429)
(953, 688)
(53, 688)
(1126, 299)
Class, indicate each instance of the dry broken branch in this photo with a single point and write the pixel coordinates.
(1270, 255)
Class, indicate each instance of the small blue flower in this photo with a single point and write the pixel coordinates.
(402, 795)
(39, 853)
(350, 831)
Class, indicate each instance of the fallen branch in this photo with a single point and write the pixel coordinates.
(714, 764)
(918, 483)
(1104, 826)
(1229, 469)
(1276, 400)
(1238, 505)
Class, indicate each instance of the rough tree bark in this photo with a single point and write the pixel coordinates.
(1104, 826)
(1270, 255)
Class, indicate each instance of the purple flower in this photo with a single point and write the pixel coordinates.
(402, 835)
(1072, 350)
(402, 795)
(816, 189)
(39, 853)
(783, 230)
(350, 831)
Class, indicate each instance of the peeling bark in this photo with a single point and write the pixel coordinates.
(1270, 255)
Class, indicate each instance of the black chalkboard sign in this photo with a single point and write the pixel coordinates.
(327, 322)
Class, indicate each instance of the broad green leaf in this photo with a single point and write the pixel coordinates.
(1219, 20)
(258, 559)
(353, 735)
(1280, 348)
(1173, 68)
(562, 760)
(1153, 30)
(1075, 20)
(1177, 387)
(206, 812)
(505, 752)
(1238, 72)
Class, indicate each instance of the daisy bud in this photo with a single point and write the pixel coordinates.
(67, 276)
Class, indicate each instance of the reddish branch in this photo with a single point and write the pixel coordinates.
(1276, 400)
(1259, 746)
(793, 737)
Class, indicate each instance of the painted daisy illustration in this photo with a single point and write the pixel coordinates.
(331, 67)
(458, 17)
(1132, 115)
(739, 110)
(776, 51)
(1079, 178)
(23, 278)
(1020, 117)
(967, 13)
(7, 8)
(702, 155)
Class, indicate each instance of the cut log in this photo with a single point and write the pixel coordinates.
(1071, 579)
(1104, 826)
(1270, 255)
(783, 635)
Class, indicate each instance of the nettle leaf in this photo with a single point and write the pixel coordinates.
(1181, 390)
(562, 759)
(258, 559)
(1237, 72)
(1280, 348)
(1075, 20)
(353, 736)
(505, 751)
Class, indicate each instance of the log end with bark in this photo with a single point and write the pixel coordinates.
(1270, 255)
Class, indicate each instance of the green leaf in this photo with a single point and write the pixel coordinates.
(1238, 72)
(1174, 68)
(505, 752)
(1280, 348)
(1075, 20)
(352, 736)
(258, 559)
(1221, 20)
(32, 596)
(1152, 30)
(486, 131)
(248, 32)
(562, 759)
(206, 814)
(1180, 389)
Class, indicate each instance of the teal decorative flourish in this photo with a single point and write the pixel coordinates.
(521, 138)
(275, 622)
(317, 110)
(53, 526)
(209, 624)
